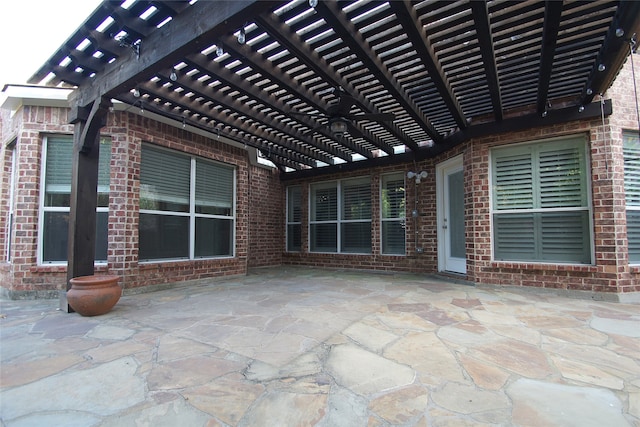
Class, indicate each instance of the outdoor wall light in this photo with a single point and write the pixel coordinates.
(173, 76)
(417, 175)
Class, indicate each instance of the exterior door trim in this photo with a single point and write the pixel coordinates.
(443, 170)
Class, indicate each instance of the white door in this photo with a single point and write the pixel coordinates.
(451, 234)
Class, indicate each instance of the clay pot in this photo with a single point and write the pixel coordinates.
(93, 295)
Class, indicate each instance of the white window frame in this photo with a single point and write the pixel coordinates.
(192, 215)
(289, 222)
(42, 208)
(12, 182)
(339, 215)
(630, 205)
(588, 208)
(402, 220)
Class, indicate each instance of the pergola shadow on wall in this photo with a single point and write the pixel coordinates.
(323, 86)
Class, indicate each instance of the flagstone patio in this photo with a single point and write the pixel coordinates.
(309, 347)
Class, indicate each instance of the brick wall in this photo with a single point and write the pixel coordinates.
(25, 278)
(260, 209)
(420, 232)
(266, 202)
(610, 272)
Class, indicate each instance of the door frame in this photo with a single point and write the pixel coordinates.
(443, 169)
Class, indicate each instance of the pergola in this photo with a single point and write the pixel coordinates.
(293, 79)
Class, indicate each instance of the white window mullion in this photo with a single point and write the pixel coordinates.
(192, 210)
(339, 218)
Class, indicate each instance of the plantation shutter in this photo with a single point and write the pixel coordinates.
(564, 237)
(633, 235)
(632, 169)
(513, 180)
(164, 176)
(561, 182)
(632, 193)
(214, 187)
(532, 185)
(515, 236)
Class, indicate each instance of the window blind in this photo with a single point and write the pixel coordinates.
(324, 203)
(164, 176)
(294, 202)
(59, 163)
(356, 199)
(393, 208)
(214, 185)
(393, 198)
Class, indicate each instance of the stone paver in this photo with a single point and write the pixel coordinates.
(308, 347)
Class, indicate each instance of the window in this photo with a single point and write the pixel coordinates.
(11, 149)
(55, 200)
(393, 210)
(294, 218)
(540, 202)
(632, 193)
(340, 216)
(186, 206)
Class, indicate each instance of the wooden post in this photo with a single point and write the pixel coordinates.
(84, 192)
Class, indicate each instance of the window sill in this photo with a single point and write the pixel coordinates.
(62, 268)
(532, 266)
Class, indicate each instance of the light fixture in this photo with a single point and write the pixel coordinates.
(173, 76)
(337, 127)
(136, 93)
(313, 3)
(589, 91)
(242, 36)
(619, 32)
(219, 50)
(581, 109)
(601, 67)
(417, 175)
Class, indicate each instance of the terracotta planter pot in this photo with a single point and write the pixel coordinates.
(93, 295)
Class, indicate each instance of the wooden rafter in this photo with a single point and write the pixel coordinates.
(444, 69)
(415, 32)
(361, 48)
(483, 32)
